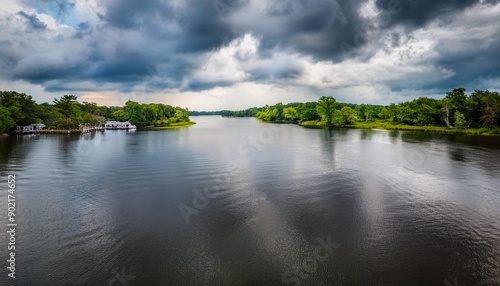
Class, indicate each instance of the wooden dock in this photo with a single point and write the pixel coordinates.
(82, 130)
(74, 131)
(39, 128)
(59, 131)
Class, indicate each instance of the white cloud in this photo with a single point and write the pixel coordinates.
(369, 10)
(227, 64)
(11, 6)
(88, 10)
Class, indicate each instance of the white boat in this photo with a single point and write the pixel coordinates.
(118, 125)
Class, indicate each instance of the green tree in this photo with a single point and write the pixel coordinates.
(337, 118)
(22, 107)
(166, 111)
(393, 111)
(307, 111)
(460, 121)
(404, 113)
(326, 109)
(181, 115)
(365, 111)
(120, 115)
(290, 114)
(455, 100)
(135, 113)
(458, 99)
(268, 114)
(89, 118)
(490, 109)
(67, 105)
(151, 113)
(384, 113)
(348, 115)
(6, 122)
(425, 111)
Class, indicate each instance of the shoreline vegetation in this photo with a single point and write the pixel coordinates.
(66, 115)
(385, 125)
(459, 113)
(171, 126)
(475, 114)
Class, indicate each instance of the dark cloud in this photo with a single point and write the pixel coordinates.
(39, 68)
(199, 86)
(415, 14)
(133, 14)
(199, 27)
(280, 70)
(335, 30)
(318, 28)
(84, 26)
(33, 20)
(170, 37)
(471, 67)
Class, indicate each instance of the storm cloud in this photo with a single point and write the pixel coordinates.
(371, 50)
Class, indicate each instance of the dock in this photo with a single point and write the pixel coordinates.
(59, 131)
(39, 129)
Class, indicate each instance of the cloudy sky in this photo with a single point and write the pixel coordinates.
(235, 54)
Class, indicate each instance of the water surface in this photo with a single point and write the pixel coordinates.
(401, 208)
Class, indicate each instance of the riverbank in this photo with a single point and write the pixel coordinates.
(171, 126)
(379, 124)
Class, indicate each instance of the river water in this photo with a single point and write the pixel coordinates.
(233, 201)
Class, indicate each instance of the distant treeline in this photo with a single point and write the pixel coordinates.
(457, 109)
(66, 113)
(197, 113)
(480, 109)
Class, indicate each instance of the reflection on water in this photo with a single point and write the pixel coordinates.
(406, 208)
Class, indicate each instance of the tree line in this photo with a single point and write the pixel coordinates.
(456, 110)
(67, 113)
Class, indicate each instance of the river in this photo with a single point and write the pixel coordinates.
(233, 201)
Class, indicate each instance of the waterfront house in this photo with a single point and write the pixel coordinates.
(33, 128)
(118, 125)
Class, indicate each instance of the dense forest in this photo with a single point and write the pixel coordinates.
(67, 113)
(458, 110)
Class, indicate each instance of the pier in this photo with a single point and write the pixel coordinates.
(39, 129)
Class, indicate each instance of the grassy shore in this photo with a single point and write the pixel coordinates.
(313, 124)
(171, 126)
(379, 124)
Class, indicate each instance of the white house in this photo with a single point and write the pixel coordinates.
(33, 128)
(115, 125)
